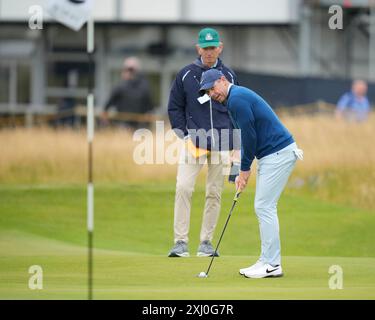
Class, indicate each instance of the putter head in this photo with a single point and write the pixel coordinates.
(202, 275)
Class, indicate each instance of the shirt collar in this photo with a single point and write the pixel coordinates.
(214, 66)
(225, 102)
(230, 85)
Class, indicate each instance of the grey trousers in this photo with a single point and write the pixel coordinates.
(273, 172)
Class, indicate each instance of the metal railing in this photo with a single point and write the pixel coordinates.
(27, 116)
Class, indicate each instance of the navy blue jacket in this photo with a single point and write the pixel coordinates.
(262, 133)
(187, 115)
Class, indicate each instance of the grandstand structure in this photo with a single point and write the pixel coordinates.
(275, 38)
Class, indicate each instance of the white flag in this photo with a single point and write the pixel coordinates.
(72, 13)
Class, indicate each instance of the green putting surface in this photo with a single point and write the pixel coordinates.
(46, 226)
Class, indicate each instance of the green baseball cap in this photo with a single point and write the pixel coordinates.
(208, 37)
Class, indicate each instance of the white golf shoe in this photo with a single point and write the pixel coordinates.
(264, 271)
(255, 265)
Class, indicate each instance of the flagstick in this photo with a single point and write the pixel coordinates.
(90, 138)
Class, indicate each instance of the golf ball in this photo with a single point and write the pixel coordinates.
(202, 275)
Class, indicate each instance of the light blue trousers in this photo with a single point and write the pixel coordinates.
(273, 172)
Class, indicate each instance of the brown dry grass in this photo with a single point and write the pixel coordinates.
(339, 159)
(43, 155)
(329, 143)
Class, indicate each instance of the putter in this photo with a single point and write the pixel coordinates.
(205, 274)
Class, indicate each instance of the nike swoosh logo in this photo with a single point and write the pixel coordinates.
(269, 271)
(78, 1)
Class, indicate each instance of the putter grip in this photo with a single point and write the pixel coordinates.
(236, 196)
(234, 171)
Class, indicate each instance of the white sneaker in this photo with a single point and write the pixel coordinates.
(264, 271)
(255, 265)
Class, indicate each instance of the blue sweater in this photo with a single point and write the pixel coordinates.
(359, 108)
(262, 133)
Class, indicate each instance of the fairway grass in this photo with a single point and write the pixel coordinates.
(46, 226)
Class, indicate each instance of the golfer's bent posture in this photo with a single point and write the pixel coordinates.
(262, 136)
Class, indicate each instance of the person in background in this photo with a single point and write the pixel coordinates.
(354, 105)
(131, 95)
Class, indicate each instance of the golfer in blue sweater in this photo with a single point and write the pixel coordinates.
(262, 136)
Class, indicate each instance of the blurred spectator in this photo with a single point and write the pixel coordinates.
(354, 105)
(132, 94)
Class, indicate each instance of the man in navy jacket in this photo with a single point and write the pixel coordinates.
(208, 133)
